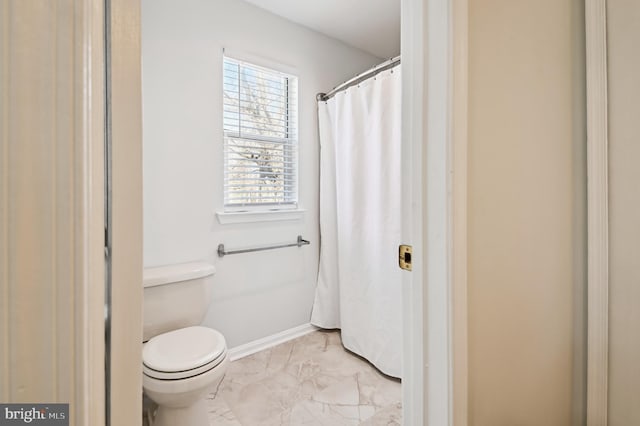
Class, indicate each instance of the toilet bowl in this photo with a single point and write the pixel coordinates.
(179, 369)
(181, 360)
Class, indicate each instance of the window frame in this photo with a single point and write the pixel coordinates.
(290, 147)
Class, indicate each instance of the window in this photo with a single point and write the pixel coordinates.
(260, 137)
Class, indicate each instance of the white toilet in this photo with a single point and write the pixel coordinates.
(181, 360)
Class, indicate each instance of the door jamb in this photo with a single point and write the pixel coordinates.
(434, 58)
(597, 213)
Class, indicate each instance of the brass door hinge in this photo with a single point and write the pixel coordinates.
(404, 256)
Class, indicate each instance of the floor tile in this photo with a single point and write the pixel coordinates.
(311, 380)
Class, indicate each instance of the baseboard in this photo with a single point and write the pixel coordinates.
(270, 341)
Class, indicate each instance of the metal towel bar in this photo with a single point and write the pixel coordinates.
(301, 242)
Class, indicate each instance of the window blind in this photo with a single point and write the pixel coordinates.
(260, 137)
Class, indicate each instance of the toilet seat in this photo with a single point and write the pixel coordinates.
(183, 353)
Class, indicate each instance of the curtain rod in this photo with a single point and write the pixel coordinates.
(359, 78)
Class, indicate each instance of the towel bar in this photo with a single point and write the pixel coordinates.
(301, 242)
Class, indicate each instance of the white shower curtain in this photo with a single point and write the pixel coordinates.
(359, 283)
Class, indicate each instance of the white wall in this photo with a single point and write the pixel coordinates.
(526, 206)
(258, 294)
(624, 211)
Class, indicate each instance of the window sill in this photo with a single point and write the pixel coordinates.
(226, 218)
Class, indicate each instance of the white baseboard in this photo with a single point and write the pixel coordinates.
(270, 341)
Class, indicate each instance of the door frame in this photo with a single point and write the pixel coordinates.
(51, 205)
(434, 128)
(597, 213)
(122, 69)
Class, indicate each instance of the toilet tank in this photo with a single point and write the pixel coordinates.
(175, 296)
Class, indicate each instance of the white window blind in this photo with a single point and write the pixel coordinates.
(260, 137)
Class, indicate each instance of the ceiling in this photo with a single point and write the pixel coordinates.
(369, 25)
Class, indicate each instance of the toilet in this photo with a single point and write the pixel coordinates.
(181, 360)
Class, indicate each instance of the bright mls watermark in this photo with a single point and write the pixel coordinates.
(34, 414)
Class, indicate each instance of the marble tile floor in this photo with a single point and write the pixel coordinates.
(311, 380)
